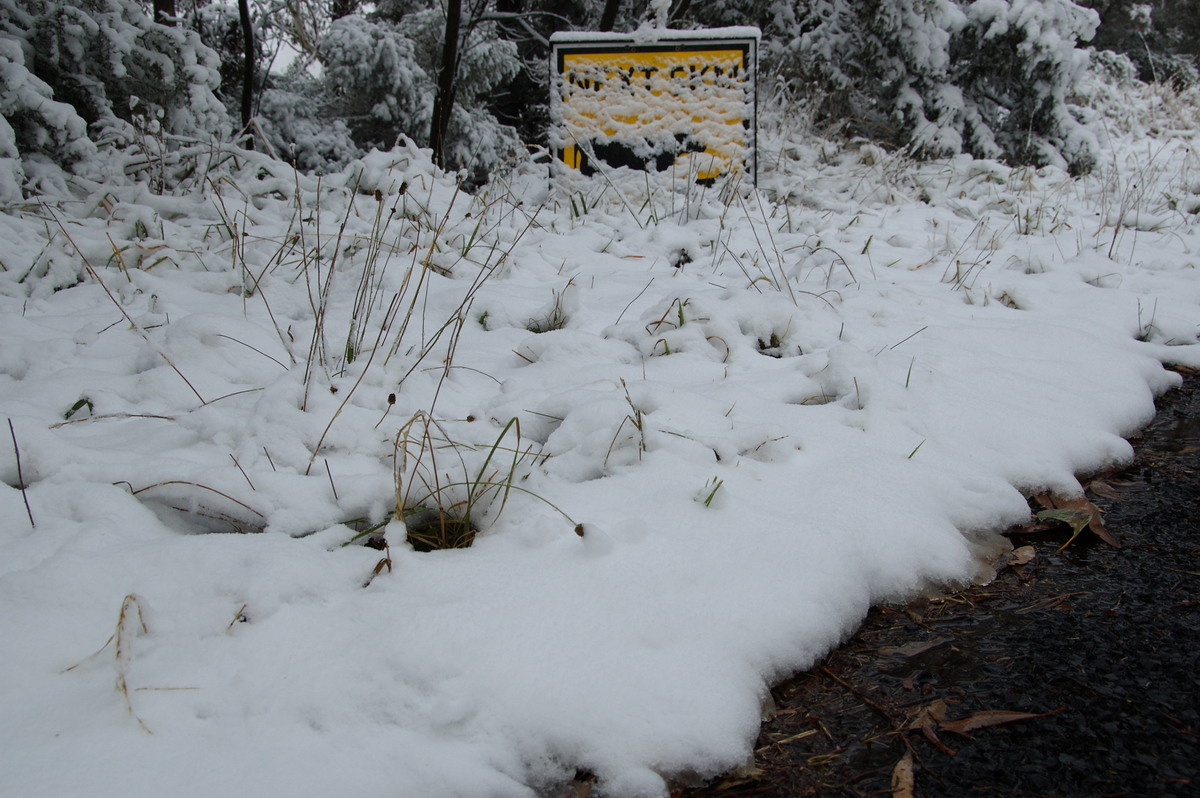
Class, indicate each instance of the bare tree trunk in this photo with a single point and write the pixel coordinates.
(164, 12)
(608, 17)
(247, 69)
(443, 103)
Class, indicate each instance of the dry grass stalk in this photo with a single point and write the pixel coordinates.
(20, 475)
(124, 636)
(127, 629)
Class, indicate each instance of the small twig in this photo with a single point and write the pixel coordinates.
(330, 474)
(909, 338)
(239, 468)
(240, 615)
(20, 475)
(861, 696)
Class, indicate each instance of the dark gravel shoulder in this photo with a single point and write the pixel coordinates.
(1076, 674)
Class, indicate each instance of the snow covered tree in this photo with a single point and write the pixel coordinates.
(1015, 63)
(73, 74)
(1162, 37)
(113, 64)
(220, 28)
(32, 123)
(374, 82)
(989, 77)
(379, 81)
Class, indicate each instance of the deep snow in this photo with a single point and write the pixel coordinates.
(766, 410)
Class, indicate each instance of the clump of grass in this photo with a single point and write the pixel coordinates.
(636, 419)
(432, 529)
(80, 405)
(555, 317)
(440, 512)
(708, 494)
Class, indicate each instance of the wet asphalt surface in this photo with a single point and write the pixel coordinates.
(1101, 643)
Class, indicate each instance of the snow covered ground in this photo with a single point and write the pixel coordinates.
(742, 416)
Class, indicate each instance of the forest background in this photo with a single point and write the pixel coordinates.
(321, 82)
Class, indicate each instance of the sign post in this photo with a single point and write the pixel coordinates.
(657, 99)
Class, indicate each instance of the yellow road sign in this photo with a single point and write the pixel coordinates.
(685, 100)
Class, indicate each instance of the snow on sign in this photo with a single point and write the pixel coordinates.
(660, 99)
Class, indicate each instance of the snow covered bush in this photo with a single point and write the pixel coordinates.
(1016, 63)
(374, 81)
(886, 65)
(989, 77)
(293, 117)
(32, 123)
(1161, 37)
(380, 74)
(113, 65)
(75, 74)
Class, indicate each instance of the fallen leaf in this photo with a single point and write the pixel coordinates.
(1096, 520)
(933, 712)
(912, 649)
(937, 709)
(1076, 519)
(1022, 555)
(931, 735)
(1028, 529)
(903, 781)
(1078, 513)
(926, 719)
(1102, 488)
(992, 717)
(1046, 500)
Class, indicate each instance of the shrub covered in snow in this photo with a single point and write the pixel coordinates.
(73, 73)
(374, 80)
(377, 86)
(109, 61)
(293, 115)
(31, 122)
(988, 77)
(1161, 37)
(1016, 62)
